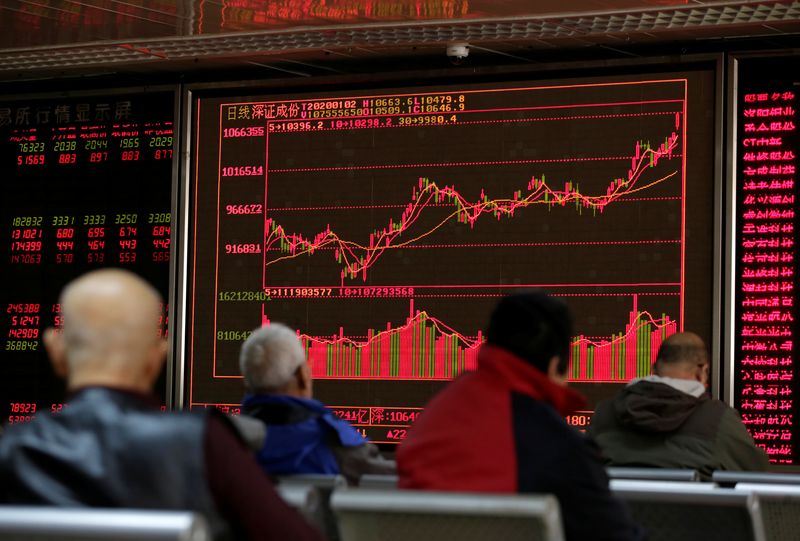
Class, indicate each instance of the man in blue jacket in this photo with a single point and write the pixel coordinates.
(303, 436)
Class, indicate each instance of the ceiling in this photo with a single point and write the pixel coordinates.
(50, 38)
(33, 23)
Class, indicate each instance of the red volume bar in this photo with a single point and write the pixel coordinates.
(425, 348)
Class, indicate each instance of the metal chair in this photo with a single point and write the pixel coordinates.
(780, 507)
(690, 513)
(653, 474)
(74, 524)
(731, 478)
(400, 515)
(378, 481)
(321, 481)
(311, 494)
(660, 486)
(304, 498)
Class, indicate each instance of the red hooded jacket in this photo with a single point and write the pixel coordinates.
(501, 429)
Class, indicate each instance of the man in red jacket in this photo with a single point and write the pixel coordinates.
(501, 428)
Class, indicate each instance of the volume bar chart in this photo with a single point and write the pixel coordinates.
(422, 348)
(425, 348)
(624, 356)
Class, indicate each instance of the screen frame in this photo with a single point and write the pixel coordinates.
(175, 188)
(714, 62)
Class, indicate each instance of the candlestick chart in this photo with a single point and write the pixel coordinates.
(356, 258)
(384, 227)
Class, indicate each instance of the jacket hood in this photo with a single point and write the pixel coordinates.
(521, 376)
(654, 407)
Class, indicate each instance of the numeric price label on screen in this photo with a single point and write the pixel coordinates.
(87, 183)
(243, 171)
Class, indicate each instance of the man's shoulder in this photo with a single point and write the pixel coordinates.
(727, 414)
(48, 427)
(717, 408)
(54, 429)
(603, 415)
(534, 415)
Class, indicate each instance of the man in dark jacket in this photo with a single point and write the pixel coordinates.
(501, 428)
(302, 436)
(667, 420)
(111, 446)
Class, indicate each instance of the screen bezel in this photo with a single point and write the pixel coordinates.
(714, 63)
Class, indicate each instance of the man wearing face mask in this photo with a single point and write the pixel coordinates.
(667, 420)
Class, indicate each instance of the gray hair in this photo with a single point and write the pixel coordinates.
(270, 357)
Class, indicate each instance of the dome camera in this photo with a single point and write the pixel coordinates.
(457, 52)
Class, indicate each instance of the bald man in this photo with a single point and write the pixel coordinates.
(112, 447)
(667, 420)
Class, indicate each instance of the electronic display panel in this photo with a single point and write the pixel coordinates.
(87, 183)
(765, 283)
(384, 224)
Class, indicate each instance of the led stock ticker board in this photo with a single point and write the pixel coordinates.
(384, 224)
(87, 183)
(767, 140)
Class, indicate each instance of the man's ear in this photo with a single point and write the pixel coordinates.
(304, 380)
(156, 361)
(701, 373)
(553, 372)
(54, 344)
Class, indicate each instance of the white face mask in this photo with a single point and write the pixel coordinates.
(688, 386)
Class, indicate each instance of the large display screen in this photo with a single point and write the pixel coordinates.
(767, 146)
(87, 183)
(384, 224)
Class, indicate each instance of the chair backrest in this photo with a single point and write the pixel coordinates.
(660, 486)
(731, 478)
(74, 524)
(321, 481)
(780, 508)
(653, 474)
(690, 514)
(400, 515)
(311, 494)
(304, 498)
(378, 481)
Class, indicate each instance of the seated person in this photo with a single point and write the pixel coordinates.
(501, 428)
(303, 436)
(111, 446)
(667, 420)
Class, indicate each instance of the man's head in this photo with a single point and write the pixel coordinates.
(273, 361)
(536, 327)
(683, 356)
(110, 335)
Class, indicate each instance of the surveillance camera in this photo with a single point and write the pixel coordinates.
(457, 52)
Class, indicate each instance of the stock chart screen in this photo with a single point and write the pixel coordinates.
(766, 223)
(87, 184)
(384, 224)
